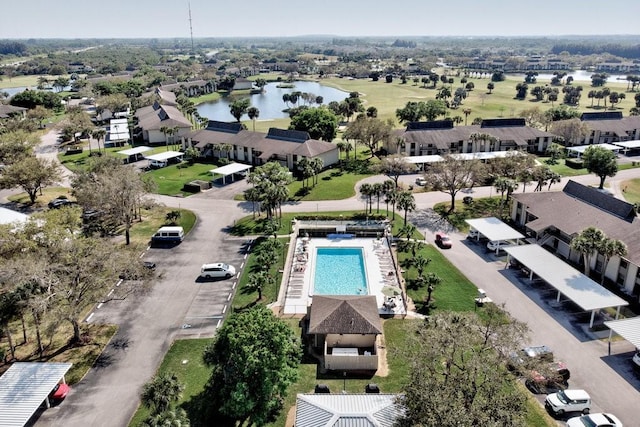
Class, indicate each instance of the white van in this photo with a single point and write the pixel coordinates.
(217, 270)
(168, 235)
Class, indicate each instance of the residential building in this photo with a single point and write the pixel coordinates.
(442, 137)
(190, 88)
(231, 140)
(150, 122)
(7, 111)
(608, 127)
(553, 219)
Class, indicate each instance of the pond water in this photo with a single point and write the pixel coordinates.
(270, 101)
(13, 90)
(579, 76)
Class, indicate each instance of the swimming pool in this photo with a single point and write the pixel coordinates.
(340, 271)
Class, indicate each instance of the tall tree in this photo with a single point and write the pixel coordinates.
(609, 248)
(394, 166)
(586, 243)
(255, 358)
(239, 108)
(31, 174)
(572, 131)
(600, 162)
(98, 134)
(253, 114)
(454, 174)
(407, 203)
(370, 132)
(458, 371)
(271, 182)
(321, 123)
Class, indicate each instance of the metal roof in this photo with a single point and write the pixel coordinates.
(135, 150)
(24, 387)
(494, 229)
(570, 282)
(629, 329)
(628, 144)
(347, 410)
(165, 155)
(582, 148)
(230, 169)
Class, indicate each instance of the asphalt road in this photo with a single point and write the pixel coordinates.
(178, 306)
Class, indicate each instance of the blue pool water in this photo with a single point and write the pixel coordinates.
(340, 271)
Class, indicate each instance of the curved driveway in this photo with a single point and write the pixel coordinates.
(178, 306)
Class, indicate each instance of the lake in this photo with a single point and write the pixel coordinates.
(578, 76)
(270, 101)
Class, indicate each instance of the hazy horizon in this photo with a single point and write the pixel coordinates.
(145, 19)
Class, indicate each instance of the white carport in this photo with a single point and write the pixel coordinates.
(579, 150)
(587, 294)
(8, 216)
(494, 229)
(25, 386)
(165, 156)
(230, 169)
(135, 151)
(628, 145)
(629, 329)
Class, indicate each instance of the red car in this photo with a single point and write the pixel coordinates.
(59, 392)
(443, 240)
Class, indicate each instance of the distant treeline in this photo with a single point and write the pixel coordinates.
(12, 48)
(624, 51)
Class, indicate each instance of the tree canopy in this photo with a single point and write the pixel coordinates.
(601, 162)
(255, 357)
(321, 123)
(459, 375)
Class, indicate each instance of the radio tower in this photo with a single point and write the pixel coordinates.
(193, 51)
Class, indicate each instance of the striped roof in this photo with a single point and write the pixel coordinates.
(347, 410)
(24, 387)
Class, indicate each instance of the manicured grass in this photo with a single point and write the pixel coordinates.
(333, 184)
(454, 293)
(47, 195)
(244, 298)
(631, 190)
(80, 161)
(209, 97)
(184, 359)
(170, 180)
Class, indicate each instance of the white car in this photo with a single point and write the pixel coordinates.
(421, 181)
(473, 233)
(217, 270)
(568, 401)
(595, 420)
(494, 245)
(636, 360)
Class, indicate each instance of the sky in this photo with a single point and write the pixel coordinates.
(23, 19)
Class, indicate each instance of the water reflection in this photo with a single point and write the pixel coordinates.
(270, 102)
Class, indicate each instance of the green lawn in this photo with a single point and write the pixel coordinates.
(171, 179)
(455, 293)
(631, 190)
(333, 184)
(184, 359)
(155, 218)
(480, 208)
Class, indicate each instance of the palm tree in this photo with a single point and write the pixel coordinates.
(165, 131)
(97, 134)
(316, 165)
(377, 190)
(609, 248)
(466, 112)
(407, 230)
(391, 197)
(253, 114)
(258, 281)
(170, 418)
(586, 243)
(432, 280)
(407, 203)
(420, 263)
(366, 190)
(158, 394)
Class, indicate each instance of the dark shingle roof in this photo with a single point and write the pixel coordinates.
(288, 135)
(234, 127)
(436, 124)
(493, 123)
(590, 195)
(601, 115)
(344, 314)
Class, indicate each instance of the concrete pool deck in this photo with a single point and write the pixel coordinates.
(382, 279)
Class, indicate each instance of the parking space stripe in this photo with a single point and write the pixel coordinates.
(89, 317)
